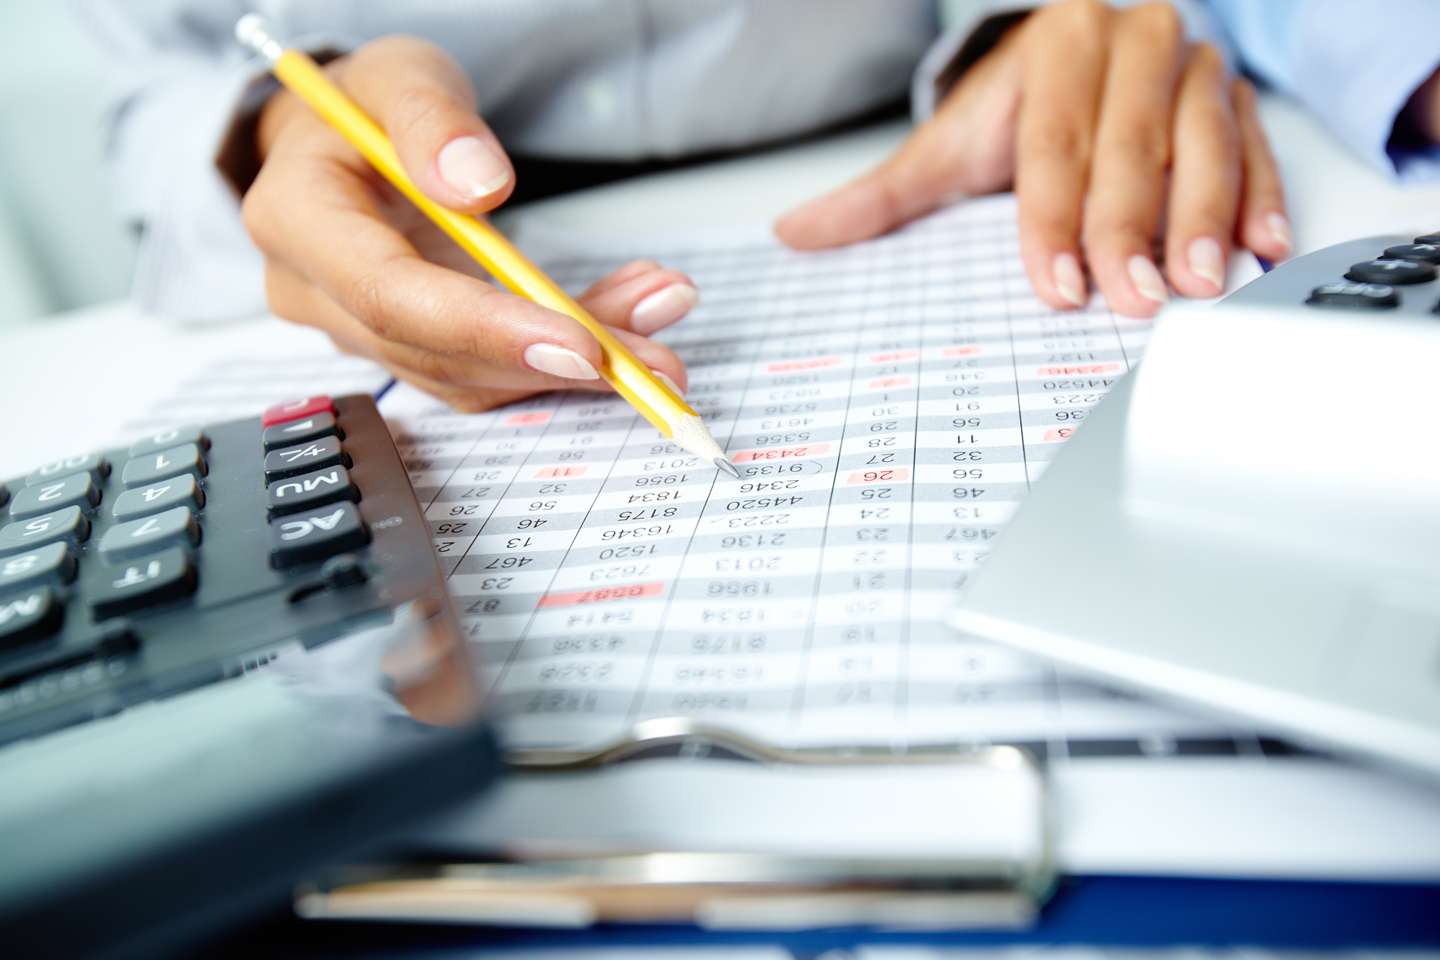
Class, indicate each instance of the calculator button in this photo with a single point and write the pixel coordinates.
(76, 490)
(52, 563)
(316, 534)
(1342, 293)
(1432, 239)
(299, 431)
(147, 580)
(94, 464)
(28, 616)
(288, 461)
(67, 524)
(309, 490)
(170, 462)
(1391, 271)
(174, 526)
(181, 491)
(166, 439)
(296, 410)
(1419, 252)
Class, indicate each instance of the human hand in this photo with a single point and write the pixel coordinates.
(345, 252)
(1108, 123)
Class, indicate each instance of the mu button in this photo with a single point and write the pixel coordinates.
(314, 489)
(316, 534)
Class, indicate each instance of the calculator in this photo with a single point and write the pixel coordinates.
(226, 656)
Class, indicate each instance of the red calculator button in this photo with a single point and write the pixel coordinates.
(295, 409)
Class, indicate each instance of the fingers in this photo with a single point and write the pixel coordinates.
(1204, 179)
(467, 383)
(644, 301)
(1263, 226)
(327, 227)
(1132, 150)
(965, 148)
(1064, 68)
(424, 102)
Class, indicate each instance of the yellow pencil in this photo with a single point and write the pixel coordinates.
(658, 403)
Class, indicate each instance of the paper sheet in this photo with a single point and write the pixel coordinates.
(888, 406)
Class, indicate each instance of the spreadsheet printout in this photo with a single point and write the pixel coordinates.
(887, 405)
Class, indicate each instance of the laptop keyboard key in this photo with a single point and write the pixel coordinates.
(67, 524)
(76, 490)
(181, 491)
(175, 526)
(143, 582)
(53, 563)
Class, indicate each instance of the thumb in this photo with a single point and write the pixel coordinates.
(425, 103)
(965, 148)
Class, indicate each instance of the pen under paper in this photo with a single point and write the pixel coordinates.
(655, 400)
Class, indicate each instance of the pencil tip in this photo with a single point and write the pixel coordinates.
(725, 466)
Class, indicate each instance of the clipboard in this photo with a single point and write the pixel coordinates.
(715, 888)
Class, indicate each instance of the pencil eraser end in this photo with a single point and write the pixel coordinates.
(251, 31)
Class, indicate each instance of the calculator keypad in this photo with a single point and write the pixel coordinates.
(53, 563)
(316, 534)
(315, 489)
(181, 491)
(1373, 285)
(166, 575)
(94, 464)
(76, 490)
(310, 428)
(136, 537)
(171, 462)
(68, 524)
(304, 457)
(135, 542)
(27, 616)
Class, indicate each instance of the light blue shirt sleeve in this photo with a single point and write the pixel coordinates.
(1354, 65)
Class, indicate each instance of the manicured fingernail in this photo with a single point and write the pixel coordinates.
(663, 307)
(559, 362)
(660, 375)
(1207, 261)
(472, 167)
(1280, 230)
(1146, 278)
(1069, 281)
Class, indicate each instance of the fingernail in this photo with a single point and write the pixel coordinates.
(660, 375)
(1207, 261)
(663, 307)
(1280, 230)
(1146, 278)
(472, 168)
(1069, 281)
(559, 362)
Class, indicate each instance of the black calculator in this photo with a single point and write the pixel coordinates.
(227, 656)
